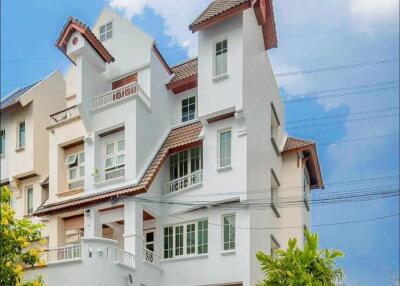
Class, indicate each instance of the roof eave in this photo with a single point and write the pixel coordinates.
(195, 27)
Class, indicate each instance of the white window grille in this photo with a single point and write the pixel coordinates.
(106, 31)
(224, 148)
(221, 58)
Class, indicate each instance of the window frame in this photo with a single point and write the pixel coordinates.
(19, 137)
(215, 43)
(219, 133)
(175, 160)
(184, 235)
(188, 107)
(275, 193)
(274, 129)
(274, 242)
(229, 242)
(113, 155)
(2, 142)
(108, 34)
(77, 167)
(29, 200)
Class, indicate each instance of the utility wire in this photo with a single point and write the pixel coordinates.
(358, 139)
(342, 115)
(332, 68)
(386, 116)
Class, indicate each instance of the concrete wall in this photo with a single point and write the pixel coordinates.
(218, 95)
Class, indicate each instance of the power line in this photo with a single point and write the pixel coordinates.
(349, 93)
(333, 57)
(386, 116)
(333, 68)
(342, 115)
(358, 139)
(331, 31)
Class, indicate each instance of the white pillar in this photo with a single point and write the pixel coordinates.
(133, 228)
(56, 232)
(93, 227)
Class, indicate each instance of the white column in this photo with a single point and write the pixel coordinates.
(56, 232)
(133, 228)
(93, 227)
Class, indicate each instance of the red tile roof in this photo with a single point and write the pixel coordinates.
(217, 8)
(184, 70)
(295, 143)
(74, 24)
(309, 149)
(179, 138)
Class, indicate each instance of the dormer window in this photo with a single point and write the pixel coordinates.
(221, 58)
(105, 32)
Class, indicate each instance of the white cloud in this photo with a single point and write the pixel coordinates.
(177, 15)
(367, 12)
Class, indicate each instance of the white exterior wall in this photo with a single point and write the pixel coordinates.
(226, 93)
(248, 89)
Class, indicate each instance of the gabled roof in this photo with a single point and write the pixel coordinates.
(309, 149)
(178, 139)
(218, 8)
(15, 96)
(185, 76)
(73, 25)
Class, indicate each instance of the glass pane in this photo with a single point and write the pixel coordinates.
(121, 145)
(108, 34)
(109, 163)
(81, 171)
(190, 239)
(102, 37)
(150, 237)
(102, 29)
(109, 26)
(71, 159)
(73, 174)
(179, 240)
(110, 148)
(120, 160)
(81, 157)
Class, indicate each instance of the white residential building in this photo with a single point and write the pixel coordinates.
(172, 176)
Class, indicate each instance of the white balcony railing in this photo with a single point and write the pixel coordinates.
(150, 256)
(64, 115)
(64, 253)
(130, 90)
(187, 181)
(124, 257)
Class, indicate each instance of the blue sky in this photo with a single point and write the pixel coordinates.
(311, 34)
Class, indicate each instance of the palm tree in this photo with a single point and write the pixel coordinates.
(301, 267)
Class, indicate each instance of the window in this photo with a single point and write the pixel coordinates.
(182, 162)
(229, 231)
(306, 189)
(202, 234)
(274, 129)
(188, 108)
(114, 154)
(186, 239)
(29, 200)
(2, 142)
(21, 134)
(274, 246)
(274, 193)
(221, 58)
(105, 31)
(224, 148)
(76, 166)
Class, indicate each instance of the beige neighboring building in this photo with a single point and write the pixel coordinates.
(25, 141)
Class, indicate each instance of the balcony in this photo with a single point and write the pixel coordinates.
(64, 115)
(120, 94)
(182, 183)
(94, 261)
